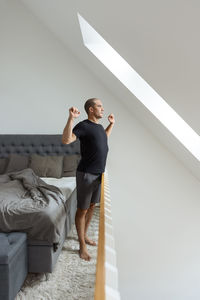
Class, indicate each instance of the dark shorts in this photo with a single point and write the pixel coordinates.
(88, 189)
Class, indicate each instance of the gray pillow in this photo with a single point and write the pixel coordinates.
(17, 162)
(3, 163)
(70, 164)
(46, 166)
(4, 178)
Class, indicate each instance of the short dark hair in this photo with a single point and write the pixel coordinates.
(89, 103)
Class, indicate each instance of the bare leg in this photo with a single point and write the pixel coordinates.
(80, 227)
(88, 218)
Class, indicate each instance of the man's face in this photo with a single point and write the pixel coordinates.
(98, 109)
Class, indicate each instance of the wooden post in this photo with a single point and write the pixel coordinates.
(100, 267)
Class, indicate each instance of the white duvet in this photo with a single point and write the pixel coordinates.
(65, 184)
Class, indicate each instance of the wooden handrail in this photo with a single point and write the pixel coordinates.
(100, 267)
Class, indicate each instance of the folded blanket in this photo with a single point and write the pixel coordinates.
(30, 205)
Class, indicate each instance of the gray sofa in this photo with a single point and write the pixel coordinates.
(13, 264)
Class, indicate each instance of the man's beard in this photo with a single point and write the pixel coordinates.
(98, 116)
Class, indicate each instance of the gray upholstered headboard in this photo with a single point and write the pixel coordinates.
(42, 144)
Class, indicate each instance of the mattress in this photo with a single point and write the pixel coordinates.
(25, 199)
(66, 184)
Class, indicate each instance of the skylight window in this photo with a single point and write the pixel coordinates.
(140, 88)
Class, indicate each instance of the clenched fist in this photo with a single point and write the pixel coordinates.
(74, 112)
(111, 118)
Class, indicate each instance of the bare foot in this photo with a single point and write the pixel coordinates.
(84, 254)
(90, 242)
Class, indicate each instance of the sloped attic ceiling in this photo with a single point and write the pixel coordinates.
(158, 38)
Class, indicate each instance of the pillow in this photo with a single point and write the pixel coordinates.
(17, 162)
(46, 166)
(4, 178)
(70, 164)
(3, 163)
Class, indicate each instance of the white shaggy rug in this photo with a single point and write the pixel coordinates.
(72, 279)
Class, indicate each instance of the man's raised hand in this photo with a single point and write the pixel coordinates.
(74, 112)
(111, 118)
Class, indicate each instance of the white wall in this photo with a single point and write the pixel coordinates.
(156, 209)
(39, 78)
(155, 199)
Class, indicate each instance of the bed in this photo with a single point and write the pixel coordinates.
(53, 164)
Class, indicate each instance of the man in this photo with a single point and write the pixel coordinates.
(94, 149)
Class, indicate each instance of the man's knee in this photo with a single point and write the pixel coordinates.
(92, 206)
(81, 212)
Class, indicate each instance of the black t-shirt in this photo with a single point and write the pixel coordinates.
(94, 147)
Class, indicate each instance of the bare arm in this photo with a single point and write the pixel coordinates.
(68, 136)
(111, 119)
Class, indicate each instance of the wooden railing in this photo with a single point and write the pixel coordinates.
(106, 286)
(100, 269)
